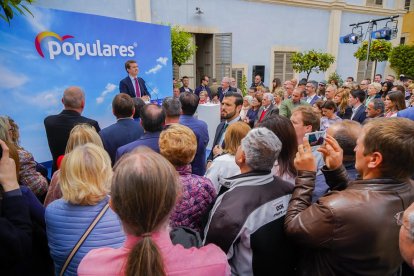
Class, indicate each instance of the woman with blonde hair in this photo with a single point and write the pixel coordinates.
(341, 100)
(225, 166)
(278, 96)
(178, 144)
(79, 135)
(143, 198)
(85, 182)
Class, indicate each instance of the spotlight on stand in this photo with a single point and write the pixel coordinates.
(388, 32)
(355, 37)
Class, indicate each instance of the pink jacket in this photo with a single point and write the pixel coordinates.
(208, 260)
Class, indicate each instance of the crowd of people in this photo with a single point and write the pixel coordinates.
(144, 196)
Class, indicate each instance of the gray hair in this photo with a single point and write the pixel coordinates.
(226, 79)
(171, 106)
(379, 104)
(269, 96)
(376, 85)
(261, 148)
(314, 84)
(73, 97)
(248, 98)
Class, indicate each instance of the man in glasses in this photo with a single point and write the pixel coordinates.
(349, 231)
(406, 221)
(203, 86)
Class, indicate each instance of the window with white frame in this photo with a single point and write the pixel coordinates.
(282, 67)
(237, 74)
(361, 70)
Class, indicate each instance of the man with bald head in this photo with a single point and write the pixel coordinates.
(152, 120)
(289, 104)
(406, 239)
(58, 126)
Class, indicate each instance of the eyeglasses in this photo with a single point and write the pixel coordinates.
(399, 219)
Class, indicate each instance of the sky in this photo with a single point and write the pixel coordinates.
(31, 86)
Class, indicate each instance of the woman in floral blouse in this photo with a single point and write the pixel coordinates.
(178, 145)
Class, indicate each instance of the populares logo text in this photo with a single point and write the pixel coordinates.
(77, 49)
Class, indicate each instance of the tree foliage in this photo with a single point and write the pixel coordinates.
(182, 45)
(379, 51)
(402, 59)
(334, 76)
(311, 61)
(9, 8)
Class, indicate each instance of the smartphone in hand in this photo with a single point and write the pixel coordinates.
(316, 138)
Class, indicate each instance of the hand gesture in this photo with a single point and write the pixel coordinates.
(8, 178)
(217, 150)
(304, 160)
(332, 153)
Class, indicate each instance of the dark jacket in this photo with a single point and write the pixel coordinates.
(15, 235)
(200, 130)
(346, 115)
(58, 129)
(246, 222)
(203, 88)
(360, 114)
(182, 89)
(272, 110)
(148, 139)
(126, 86)
(221, 94)
(252, 115)
(124, 131)
(351, 230)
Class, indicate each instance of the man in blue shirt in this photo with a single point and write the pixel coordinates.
(189, 104)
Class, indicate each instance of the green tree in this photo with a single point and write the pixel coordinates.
(379, 51)
(335, 77)
(182, 46)
(311, 61)
(243, 86)
(9, 8)
(402, 59)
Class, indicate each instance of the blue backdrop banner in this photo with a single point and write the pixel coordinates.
(44, 54)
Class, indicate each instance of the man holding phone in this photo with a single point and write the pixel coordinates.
(306, 121)
(351, 230)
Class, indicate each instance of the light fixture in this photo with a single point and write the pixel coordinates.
(355, 37)
(198, 11)
(388, 32)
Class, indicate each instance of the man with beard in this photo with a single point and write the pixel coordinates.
(230, 113)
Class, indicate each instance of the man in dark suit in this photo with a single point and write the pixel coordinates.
(58, 127)
(189, 104)
(267, 109)
(203, 87)
(186, 82)
(125, 130)
(225, 88)
(152, 120)
(230, 113)
(356, 99)
(133, 85)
